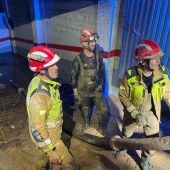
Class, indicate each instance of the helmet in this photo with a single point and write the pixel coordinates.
(148, 49)
(88, 35)
(41, 57)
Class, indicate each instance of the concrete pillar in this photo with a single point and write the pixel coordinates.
(38, 24)
(107, 25)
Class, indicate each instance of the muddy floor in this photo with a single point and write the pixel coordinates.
(16, 147)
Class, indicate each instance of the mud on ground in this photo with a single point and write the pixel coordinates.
(16, 147)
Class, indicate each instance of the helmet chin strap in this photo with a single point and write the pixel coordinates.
(45, 73)
(146, 65)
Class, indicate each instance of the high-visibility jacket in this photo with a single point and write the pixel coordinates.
(134, 94)
(44, 108)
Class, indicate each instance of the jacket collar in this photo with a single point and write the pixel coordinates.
(157, 74)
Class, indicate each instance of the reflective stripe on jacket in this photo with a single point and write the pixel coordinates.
(134, 93)
(44, 108)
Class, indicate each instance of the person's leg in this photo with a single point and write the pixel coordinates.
(151, 130)
(85, 108)
(101, 109)
(127, 132)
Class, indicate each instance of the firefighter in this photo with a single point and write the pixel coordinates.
(141, 91)
(88, 74)
(44, 108)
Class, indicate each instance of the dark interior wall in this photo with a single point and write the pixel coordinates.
(2, 6)
(19, 12)
(20, 19)
(21, 15)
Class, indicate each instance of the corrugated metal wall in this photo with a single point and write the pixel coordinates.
(145, 19)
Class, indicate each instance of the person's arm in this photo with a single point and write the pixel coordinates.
(124, 98)
(75, 73)
(39, 107)
(166, 95)
(101, 69)
(74, 78)
(101, 76)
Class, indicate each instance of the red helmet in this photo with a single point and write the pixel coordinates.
(41, 57)
(148, 49)
(88, 35)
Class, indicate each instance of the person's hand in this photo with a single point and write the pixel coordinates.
(54, 158)
(77, 98)
(98, 89)
(141, 120)
(98, 94)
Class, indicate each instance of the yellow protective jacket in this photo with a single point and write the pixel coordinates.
(44, 109)
(133, 92)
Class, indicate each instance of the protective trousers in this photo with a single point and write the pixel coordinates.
(99, 102)
(41, 160)
(150, 129)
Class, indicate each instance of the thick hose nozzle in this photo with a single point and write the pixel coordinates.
(156, 143)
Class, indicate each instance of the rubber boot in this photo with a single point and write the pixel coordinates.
(101, 127)
(85, 111)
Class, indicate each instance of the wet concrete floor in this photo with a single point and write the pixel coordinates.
(19, 147)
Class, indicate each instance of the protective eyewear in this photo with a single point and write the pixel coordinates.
(93, 37)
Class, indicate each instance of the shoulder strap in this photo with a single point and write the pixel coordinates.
(81, 58)
(97, 57)
(132, 72)
(40, 89)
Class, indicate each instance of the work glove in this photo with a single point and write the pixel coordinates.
(98, 88)
(77, 98)
(98, 91)
(141, 120)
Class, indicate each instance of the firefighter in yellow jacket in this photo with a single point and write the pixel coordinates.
(44, 108)
(141, 91)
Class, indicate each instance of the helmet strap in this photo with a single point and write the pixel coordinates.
(146, 65)
(44, 72)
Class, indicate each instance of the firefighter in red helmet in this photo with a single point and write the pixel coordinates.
(141, 91)
(88, 74)
(44, 108)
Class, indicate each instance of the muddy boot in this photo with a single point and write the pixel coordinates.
(85, 111)
(100, 128)
(145, 165)
(86, 123)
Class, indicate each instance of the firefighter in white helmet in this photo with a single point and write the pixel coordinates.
(44, 108)
(141, 91)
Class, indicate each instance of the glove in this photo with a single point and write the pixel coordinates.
(141, 120)
(77, 98)
(98, 89)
